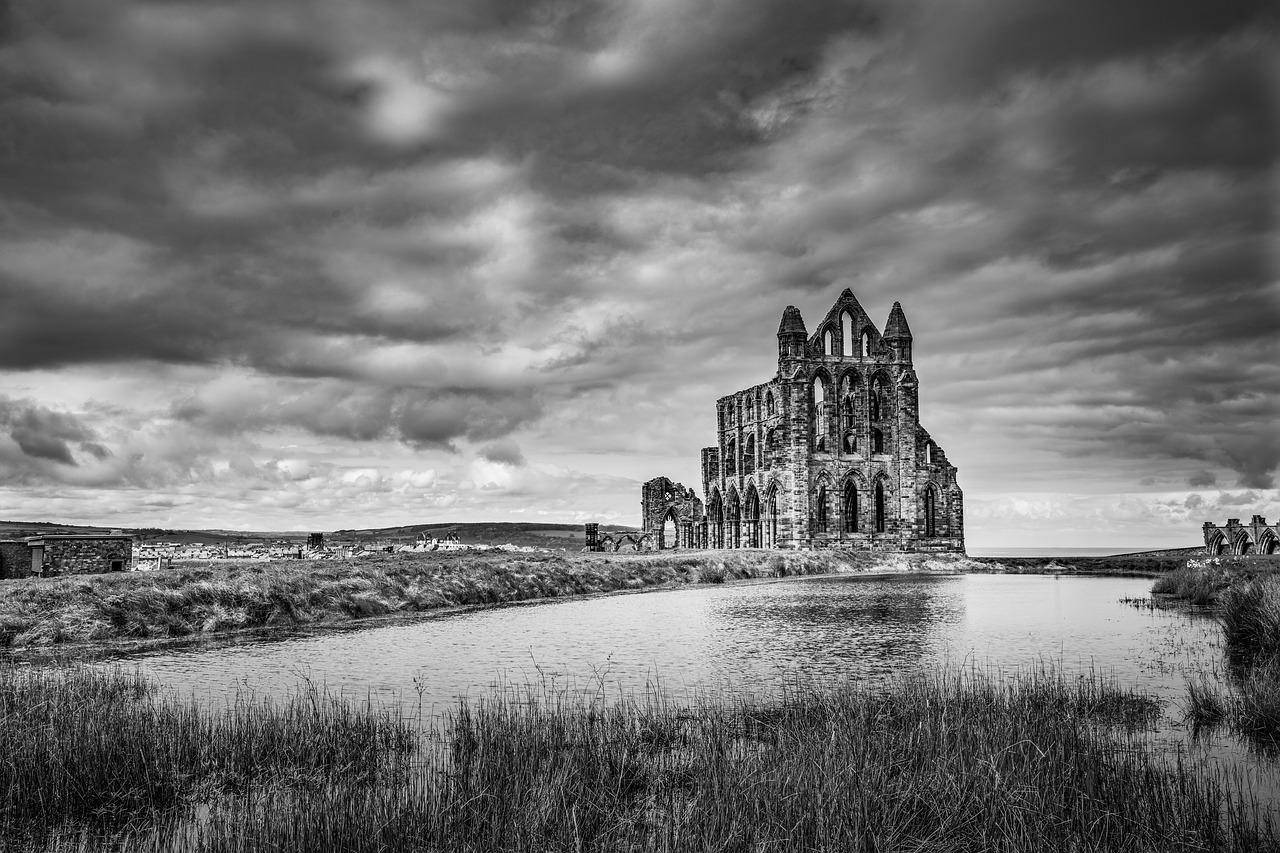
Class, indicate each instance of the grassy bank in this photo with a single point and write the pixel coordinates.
(1244, 593)
(208, 600)
(948, 761)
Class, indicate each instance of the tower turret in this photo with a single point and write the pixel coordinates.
(897, 334)
(791, 335)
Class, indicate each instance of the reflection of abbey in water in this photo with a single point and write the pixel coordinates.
(828, 453)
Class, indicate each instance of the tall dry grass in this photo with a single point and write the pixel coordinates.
(943, 761)
(100, 750)
(181, 602)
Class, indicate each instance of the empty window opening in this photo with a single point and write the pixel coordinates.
(820, 511)
(880, 506)
(749, 455)
(846, 333)
(771, 528)
(670, 536)
(930, 514)
(866, 344)
(928, 453)
(851, 508)
(769, 405)
(730, 458)
(877, 441)
(820, 427)
(117, 565)
(828, 343)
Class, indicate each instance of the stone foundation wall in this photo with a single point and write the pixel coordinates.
(15, 559)
(88, 556)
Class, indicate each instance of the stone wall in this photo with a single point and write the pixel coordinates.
(15, 558)
(85, 555)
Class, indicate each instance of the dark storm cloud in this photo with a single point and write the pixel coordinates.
(972, 48)
(357, 413)
(175, 158)
(507, 452)
(438, 420)
(43, 434)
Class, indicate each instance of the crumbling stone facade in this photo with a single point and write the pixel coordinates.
(673, 514)
(1256, 537)
(81, 555)
(830, 452)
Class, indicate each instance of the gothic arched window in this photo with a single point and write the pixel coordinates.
(851, 507)
(846, 333)
(820, 428)
(880, 508)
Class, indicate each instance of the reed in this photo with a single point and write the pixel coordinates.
(200, 601)
(1250, 616)
(950, 760)
(100, 750)
(1198, 581)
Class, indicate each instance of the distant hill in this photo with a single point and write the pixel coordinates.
(472, 533)
(481, 533)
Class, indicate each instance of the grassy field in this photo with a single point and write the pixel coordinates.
(190, 601)
(947, 761)
(1145, 564)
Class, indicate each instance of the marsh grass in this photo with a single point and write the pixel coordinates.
(1198, 582)
(196, 601)
(1250, 616)
(101, 750)
(953, 760)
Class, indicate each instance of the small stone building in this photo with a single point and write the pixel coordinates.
(1256, 537)
(66, 554)
(829, 453)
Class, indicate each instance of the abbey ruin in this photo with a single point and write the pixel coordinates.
(829, 453)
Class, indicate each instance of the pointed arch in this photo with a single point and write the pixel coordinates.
(820, 399)
(771, 516)
(731, 457)
(846, 333)
(715, 519)
(749, 454)
(848, 398)
(851, 505)
(864, 343)
(930, 510)
(880, 506)
(770, 404)
(669, 532)
(828, 341)
(1267, 542)
(1217, 543)
(733, 519)
(751, 517)
(1243, 543)
(928, 453)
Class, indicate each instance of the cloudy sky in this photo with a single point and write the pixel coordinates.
(322, 264)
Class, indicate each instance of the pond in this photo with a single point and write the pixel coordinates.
(744, 636)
